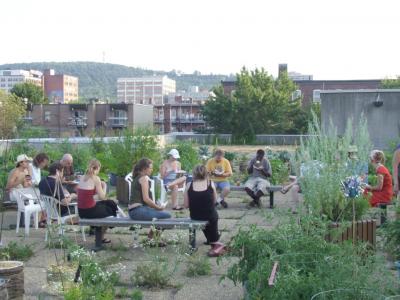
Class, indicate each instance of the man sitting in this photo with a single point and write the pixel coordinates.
(219, 168)
(69, 173)
(259, 169)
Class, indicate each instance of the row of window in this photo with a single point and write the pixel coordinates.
(116, 115)
(12, 79)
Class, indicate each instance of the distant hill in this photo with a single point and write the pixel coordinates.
(100, 79)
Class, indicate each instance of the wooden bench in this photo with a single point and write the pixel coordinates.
(271, 190)
(180, 223)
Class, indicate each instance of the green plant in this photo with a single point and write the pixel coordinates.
(16, 251)
(197, 265)
(280, 171)
(230, 156)
(391, 234)
(153, 274)
(136, 294)
(307, 262)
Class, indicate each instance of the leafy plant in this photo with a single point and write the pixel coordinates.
(136, 294)
(280, 171)
(197, 265)
(152, 274)
(16, 251)
(307, 263)
(230, 156)
(391, 234)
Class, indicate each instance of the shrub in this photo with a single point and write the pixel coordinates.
(136, 294)
(15, 251)
(153, 274)
(197, 265)
(391, 234)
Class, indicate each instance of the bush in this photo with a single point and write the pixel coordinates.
(197, 265)
(391, 234)
(15, 251)
(153, 274)
(307, 263)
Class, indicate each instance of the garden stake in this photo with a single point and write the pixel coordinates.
(271, 280)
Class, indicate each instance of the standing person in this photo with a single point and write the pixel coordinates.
(20, 176)
(396, 169)
(382, 192)
(220, 169)
(51, 186)
(200, 197)
(142, 207)
(69, 174)
(169, 171)
(90, 185)
(259, 169)
(40, 161)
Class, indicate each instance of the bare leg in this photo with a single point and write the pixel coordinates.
(177, 182)
(174, 196)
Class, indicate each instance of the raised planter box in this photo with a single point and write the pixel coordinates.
(365, 231)
(13, 272)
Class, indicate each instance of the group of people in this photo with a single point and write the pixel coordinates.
(200, 196)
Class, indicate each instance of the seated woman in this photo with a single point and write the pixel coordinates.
(382, 192)
(141, 206)
(169, 171)
(40, 161)
(51, 186)
(200, 197)
(90, 185)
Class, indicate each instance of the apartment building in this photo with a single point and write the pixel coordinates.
(9, 78)
(60, 88)
(181, 112)
(144, 90)
(64, 120)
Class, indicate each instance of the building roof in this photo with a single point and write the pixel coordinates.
(360, 91)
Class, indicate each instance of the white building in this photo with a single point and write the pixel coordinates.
(9, 78)
(144, 90)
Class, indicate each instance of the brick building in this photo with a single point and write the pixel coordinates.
(63, 120)
(181, 112)
(60, 88)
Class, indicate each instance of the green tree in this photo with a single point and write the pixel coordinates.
(30, 91)
(391, 83)
(260, 104)
(11, 111)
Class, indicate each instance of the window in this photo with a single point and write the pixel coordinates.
(47, 116)
(317, 96)
(296, 95)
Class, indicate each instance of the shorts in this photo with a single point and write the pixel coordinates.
(257, 184)
(220, 185)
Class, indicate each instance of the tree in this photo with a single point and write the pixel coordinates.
(391, 83)
(11, 111)
(260, 104)
(30, 91)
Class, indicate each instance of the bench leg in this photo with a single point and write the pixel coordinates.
(98, 242)
(192, 238)
(271, 199)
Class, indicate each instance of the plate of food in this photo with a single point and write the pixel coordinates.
(258, 165)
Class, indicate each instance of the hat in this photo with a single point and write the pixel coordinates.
(23, 157)
(174, 153)
(352, 149)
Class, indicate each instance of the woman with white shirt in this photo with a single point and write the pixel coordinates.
(40, 161)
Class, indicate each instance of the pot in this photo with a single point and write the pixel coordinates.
(13, 272)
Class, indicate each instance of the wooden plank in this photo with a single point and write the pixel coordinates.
(365, 231)
(272, 276)
(350, 232)
(344, 235)
(373, 232)
(359, 230)
(369, 230)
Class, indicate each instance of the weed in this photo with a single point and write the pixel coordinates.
(15, 251)
(152, 274)
(136, 294)
(197, 265)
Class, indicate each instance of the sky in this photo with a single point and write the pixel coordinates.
(340, 39)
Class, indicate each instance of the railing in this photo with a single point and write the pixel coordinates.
(187, 120)
(77, 121)
(118, 121)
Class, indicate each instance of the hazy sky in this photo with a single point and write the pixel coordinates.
(340, 39)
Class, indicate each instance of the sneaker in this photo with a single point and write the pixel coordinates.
(224, 204)
(251, 204)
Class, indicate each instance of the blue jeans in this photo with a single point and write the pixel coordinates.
(220, 185)
(146, 213)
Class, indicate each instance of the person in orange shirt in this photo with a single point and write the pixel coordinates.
(382, 192)
(219, 169)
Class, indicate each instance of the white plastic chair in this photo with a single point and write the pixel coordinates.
(32, 206)
(163, 195)
(128, 179)
(51, 204)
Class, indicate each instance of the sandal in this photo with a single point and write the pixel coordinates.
(284, 190)
(177, 208)
(106, 241)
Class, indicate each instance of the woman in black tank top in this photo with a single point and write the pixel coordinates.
(200, 197)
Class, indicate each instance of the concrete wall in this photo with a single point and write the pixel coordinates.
(383, 121)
